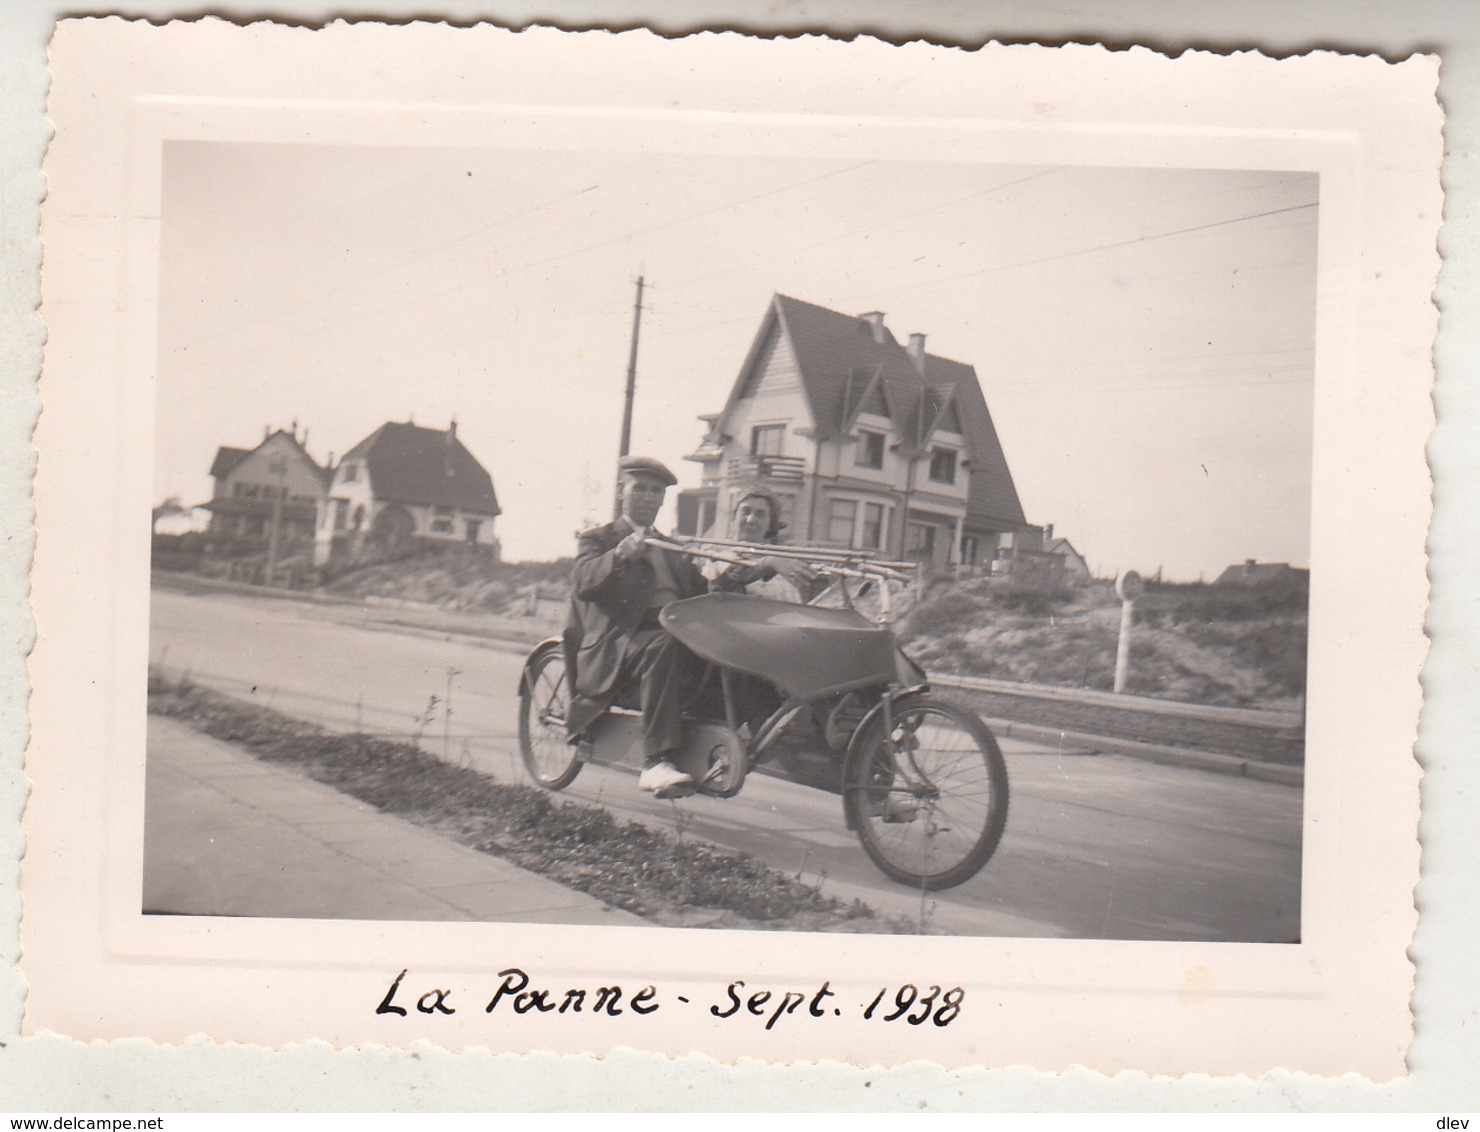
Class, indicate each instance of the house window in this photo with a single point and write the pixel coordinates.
(473, 526)
(943, 465)
(766, 440)
(351, 472)
(870, 450)
(341, 514)
(841, 514)
(871, 537)
(442, 520)
(968, 550)
(921, 540)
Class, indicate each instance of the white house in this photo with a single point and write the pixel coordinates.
(404, 489)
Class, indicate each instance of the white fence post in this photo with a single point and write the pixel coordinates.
(1128, 587)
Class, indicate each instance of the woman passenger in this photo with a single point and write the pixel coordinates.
(757, 519)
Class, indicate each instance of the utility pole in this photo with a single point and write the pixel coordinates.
(278, 467)
(631, 389)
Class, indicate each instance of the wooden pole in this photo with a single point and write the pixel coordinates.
(626, 445)
(277, 466)
(631, 372)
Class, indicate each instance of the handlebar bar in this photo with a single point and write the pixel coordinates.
(811, 553)
(824, 560)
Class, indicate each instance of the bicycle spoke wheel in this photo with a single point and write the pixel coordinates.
(931, 812)
(543, 699)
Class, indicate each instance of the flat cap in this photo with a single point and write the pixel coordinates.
(646, 465)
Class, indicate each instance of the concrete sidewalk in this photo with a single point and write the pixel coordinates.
(228, 835)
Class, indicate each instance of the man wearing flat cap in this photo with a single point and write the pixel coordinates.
(620, 585)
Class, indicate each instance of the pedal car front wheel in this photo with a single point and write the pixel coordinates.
(544, 698)
(931, 811)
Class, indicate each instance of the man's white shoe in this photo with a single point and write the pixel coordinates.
(665, 780)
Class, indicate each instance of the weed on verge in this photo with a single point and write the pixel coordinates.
(649, 872)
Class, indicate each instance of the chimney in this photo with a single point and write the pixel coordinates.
(452, 432)
(916, 350)
(1047, 533)
(1249, 564)
(875, 320)
(266, 431)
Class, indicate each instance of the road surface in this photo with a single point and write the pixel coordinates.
(1097, 846)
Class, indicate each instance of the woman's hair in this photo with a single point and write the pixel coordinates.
(775, 526)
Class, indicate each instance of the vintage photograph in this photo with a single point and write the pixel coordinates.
(709, 540)
(786, 550)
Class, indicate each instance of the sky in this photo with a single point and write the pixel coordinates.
(1144, 337)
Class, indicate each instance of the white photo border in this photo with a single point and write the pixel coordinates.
(1334, 1003)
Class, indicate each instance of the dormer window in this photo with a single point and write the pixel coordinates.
(870, 450)
(943, 465)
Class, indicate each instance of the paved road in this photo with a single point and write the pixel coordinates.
(1097, 846)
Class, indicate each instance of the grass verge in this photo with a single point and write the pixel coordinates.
(663, 877)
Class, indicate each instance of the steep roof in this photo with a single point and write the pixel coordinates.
(1067, 549)
(411, 464)
(990, 491)
(1253, 573)
(836, 353)
(226, 459)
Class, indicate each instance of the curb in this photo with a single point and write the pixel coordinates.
(1242, 717)
(1233, 765)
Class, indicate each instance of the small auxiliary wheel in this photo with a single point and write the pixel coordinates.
(930, 812)
(544, 697)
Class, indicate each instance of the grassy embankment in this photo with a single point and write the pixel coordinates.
(471, 585)
(665, 877)
(1194, 643)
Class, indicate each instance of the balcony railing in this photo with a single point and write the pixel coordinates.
(783, 468)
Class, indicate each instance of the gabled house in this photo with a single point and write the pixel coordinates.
(276, 483)
(1075, 567)
(405, 489)
(1274, 578)
(869, 443)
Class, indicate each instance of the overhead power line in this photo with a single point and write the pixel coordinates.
(362, 280)
(696, 215)
(878, 226)
(1097, 248)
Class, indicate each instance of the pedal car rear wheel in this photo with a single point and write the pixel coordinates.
(543, 699)
(929, 815)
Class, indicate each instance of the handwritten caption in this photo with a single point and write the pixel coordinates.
(515, 994)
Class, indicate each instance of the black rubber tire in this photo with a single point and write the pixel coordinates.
(956, 791)
(544, 696)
